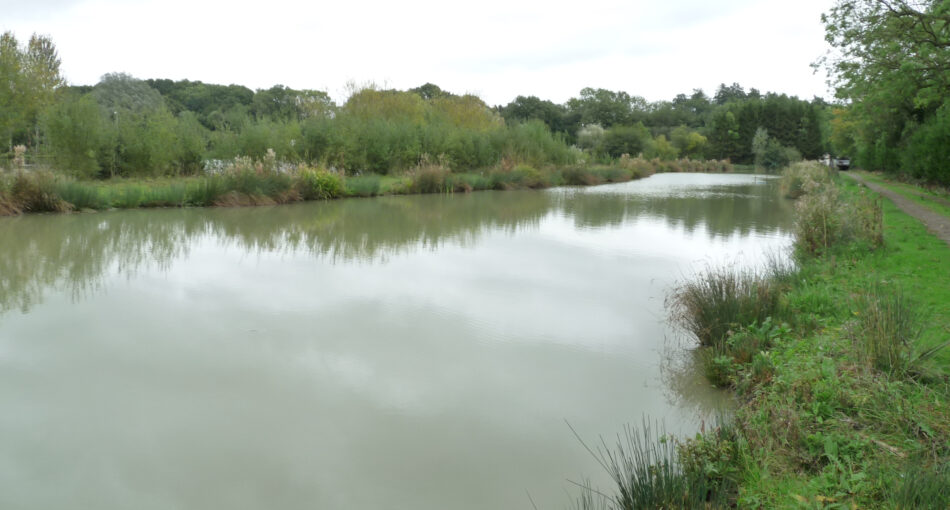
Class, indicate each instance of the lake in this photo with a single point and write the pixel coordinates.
(412, 352)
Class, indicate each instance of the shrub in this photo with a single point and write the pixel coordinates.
(318, 184)
(528, 176)
(638, 166)
(822, 220)
(818, 223)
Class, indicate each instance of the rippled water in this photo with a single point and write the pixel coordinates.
(400, 352)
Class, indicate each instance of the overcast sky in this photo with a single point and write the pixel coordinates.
(497, 49)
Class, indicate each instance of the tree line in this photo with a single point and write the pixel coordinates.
(124, 126)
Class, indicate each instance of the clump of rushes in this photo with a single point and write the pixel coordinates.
(655, 471)
(720, 300)
(580, 176)
(888, 329)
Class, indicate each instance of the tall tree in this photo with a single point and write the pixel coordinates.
(891, 60)
(11, 88)
(42, 79)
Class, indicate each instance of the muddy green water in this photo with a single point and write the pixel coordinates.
(413, 352)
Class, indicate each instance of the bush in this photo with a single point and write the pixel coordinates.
(579, 176)
(318, 184)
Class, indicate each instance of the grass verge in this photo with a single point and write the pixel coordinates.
(844, 389)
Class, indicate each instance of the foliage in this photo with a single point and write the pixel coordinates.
(620, 140)
(892, 60)
(849, 412)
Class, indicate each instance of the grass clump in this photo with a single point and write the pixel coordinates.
(657, 471)
(37, 192)
(362, 186)
(430, 177)
(720, 300)
(888, 329)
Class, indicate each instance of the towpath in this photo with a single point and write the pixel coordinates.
(937, 224)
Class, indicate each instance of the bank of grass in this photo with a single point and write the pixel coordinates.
(844, 388)
(246, 182)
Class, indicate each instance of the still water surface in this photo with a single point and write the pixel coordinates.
(415, 352)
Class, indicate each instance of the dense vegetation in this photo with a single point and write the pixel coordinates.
(838, 362)
(891, 67)
(126, 127)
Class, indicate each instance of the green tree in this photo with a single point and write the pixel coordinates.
(689, 143)
(76, 135)
(632, 140)
(42, 79)
(892, 61)
(12, 101)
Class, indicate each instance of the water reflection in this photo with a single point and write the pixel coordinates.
(72, 253)
(404, 352)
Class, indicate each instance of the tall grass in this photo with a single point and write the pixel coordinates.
(362, 186)
(795, 176)
(824, 219)
(924, 488)
(37, 192)
(888, 329)
(720, 300)
(647, 472)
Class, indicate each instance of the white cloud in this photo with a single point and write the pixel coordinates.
(496, 48)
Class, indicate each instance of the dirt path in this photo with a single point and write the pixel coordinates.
(937, 224)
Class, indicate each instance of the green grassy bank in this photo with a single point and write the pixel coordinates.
(265, 182)
(837, 365)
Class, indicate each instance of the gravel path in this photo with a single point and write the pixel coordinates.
(937, 224)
